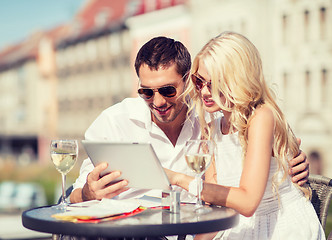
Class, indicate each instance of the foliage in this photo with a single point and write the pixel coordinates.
(44, 174)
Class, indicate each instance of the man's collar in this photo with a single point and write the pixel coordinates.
(141, 113)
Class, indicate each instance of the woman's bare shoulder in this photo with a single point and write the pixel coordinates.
(263, 114)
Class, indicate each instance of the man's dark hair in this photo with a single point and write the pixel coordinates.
(163, 52)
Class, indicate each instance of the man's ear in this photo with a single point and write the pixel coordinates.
(298, 141)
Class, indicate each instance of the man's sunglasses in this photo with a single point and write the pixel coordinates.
(200, 83)
(147, 93)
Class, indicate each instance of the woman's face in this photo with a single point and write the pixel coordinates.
(203, 79)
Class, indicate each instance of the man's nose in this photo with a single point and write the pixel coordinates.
(158, 100)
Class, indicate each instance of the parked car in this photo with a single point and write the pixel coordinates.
(21, 196)
(7, 193)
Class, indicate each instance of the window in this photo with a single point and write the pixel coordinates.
(315, 161)
(114, 44)
(285, 86)
(307, 89)
(70, 55)
(91, 50)
(325, 87)
(60, 59)
(80, 53)
(21, 78)
(21, 114)
(284, 29)
(102, 16)
(102, 45)
(64, 105)
(306, 25)
(322, 22)
(126, 40)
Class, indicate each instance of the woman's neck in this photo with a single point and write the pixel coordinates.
(225, 124)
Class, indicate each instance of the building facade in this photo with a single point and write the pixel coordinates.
(95, 63)
(295, 41)
(92, 64)
(302, 65)
(28, 103)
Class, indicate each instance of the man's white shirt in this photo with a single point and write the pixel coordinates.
(130, 121)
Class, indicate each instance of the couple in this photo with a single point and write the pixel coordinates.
(226, 76)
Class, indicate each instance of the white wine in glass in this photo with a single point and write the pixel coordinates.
(63, 155)
(198, 154)
(198, 162)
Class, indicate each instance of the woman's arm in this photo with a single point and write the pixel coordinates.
(246, 198)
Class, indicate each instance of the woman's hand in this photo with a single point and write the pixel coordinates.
(178, 179)
(173, 177)
(299, 168)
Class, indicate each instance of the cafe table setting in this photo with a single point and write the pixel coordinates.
(104, 210)
(143, 217)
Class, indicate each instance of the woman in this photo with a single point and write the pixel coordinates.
(227, 75)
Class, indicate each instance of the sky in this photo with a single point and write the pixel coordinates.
(20, 18)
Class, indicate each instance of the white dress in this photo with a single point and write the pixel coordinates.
(293, 218)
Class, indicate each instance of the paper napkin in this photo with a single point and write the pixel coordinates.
(98, 209)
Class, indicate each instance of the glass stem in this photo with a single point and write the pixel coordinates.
(63, 188)
(199, 190)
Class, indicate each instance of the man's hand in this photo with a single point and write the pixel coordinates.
(98, 188)
(299, 168)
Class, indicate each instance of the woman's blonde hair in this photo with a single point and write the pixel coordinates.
(235, 67)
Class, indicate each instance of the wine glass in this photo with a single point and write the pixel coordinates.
(198, 154)
(63, 155)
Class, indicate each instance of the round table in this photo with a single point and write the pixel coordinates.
(149, 223)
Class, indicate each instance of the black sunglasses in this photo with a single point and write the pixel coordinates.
(147, 93)
(200, 83)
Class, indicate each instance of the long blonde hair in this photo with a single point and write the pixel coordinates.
(236, 72)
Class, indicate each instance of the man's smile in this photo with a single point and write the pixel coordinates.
(162, 111)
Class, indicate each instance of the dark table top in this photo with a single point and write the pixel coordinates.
(149, 223)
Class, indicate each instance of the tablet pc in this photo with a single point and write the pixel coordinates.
(137, 162)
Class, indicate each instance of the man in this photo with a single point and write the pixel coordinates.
(159, 117)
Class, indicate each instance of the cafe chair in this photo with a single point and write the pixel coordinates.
(321, 197)
(68, 192)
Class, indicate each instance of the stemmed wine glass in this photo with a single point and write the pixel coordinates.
(198, 154)
(64, 155)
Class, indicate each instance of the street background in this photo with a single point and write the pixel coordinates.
(63, 62)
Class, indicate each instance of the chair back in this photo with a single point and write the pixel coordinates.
(321, 195)
(68, 192)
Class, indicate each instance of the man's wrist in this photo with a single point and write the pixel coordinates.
(76, 196)
(83, 195)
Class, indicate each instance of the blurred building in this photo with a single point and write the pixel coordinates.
(95, 62)
(302, 66)
(28, 103)
(91, 65)
(295, 41)
(65, 80)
